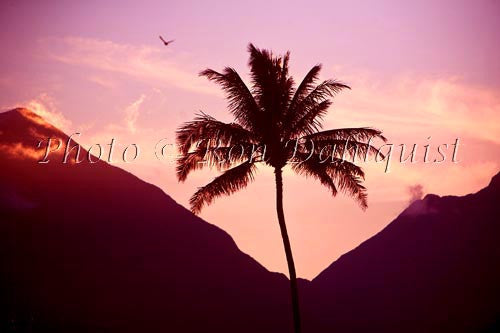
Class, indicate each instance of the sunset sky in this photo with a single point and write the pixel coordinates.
(425, 72)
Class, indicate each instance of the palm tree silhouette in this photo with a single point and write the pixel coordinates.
(275, 123)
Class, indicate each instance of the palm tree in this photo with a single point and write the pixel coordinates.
(275, 123)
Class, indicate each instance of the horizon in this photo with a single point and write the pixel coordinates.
(433, 80)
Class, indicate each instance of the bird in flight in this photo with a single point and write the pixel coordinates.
(165, 42)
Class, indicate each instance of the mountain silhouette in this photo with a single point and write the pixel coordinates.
(435, 268)
(90, 247)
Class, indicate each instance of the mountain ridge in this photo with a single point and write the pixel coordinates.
(91, 247)
(434, 268)
(138, 258)
(26, 113)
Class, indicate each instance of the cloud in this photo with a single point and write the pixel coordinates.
(142, 62)
(20, 151)
(102, 81)
(132, 113)
(416, 192)
(410, 105)
(44, 106)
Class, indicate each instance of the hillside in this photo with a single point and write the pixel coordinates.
(90, 247)
(435, 268)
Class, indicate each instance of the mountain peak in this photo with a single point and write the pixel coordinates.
(21, 111)
(24, 128)
(495, 181)
(21, 114)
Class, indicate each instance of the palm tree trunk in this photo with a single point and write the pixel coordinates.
(288, 249)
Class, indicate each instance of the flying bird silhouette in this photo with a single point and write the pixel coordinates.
(165, 42)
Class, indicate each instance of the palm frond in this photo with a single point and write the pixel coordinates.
(241, 103)
(356, 134)
(229, 182)
(336, 174)
(271, 85)
(339, 148)
(214, 132)
(287, 83)
(315, 97)
(189, 162)
(310, 122)
(220, 158)
(349, 178)
(310, 168)
(305, 86)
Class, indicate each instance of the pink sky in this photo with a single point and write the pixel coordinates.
(418, 70)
